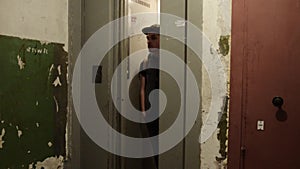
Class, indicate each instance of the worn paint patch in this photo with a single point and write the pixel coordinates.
(19, 132)
(20, 63)
(44, 42)
(30, 166)
(1, 138)
(51, 68)
(51, 163)
(222, 135)
(224, 44)
(59, 69)
(57, 82)
(56, 104)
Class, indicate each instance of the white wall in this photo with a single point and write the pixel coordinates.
(139, 42)
(45, 20)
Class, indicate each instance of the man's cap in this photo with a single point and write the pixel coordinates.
(151, 29)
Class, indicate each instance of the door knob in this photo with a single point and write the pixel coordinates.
(277, 101)
(281, 115)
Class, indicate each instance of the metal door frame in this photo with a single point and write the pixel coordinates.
(76, 36)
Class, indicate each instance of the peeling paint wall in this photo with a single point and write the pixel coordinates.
(217, 27)
(33, 94)
(33, 111)
(50, 163)
(1, 138)
(47, 21)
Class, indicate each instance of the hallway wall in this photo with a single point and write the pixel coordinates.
(45, 23)
(33, 92)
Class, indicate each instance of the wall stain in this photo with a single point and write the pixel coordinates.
(19, 132)
(1, 138)
(57, 82)
(222, 135)
(224, 46)
(20, 63)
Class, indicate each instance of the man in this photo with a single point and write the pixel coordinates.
(149, 80)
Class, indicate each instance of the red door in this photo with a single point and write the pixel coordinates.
(265, 64)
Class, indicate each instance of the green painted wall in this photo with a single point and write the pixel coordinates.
(32, 109)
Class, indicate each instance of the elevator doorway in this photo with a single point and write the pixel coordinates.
(96, 14)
